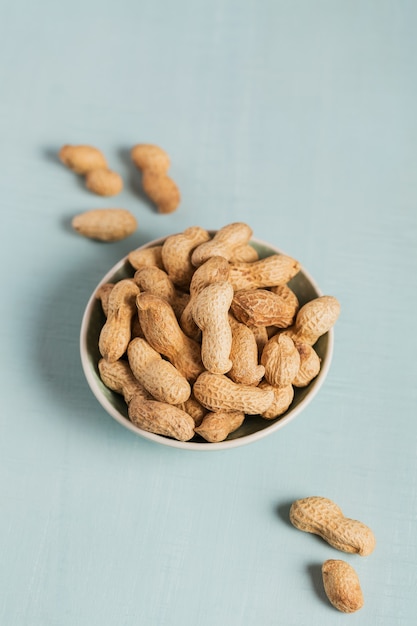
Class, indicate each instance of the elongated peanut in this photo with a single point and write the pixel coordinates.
(216, 427)
(159, 377)
(156, 281)
(218, 393)
(342, 586)
(309, 365)
(259, 307)
(315, 318)
(281, 360)
(104, 182)
(277, 269)
(176, 254)
(105, 224)
(161, 418)
(103, 294)
(244, 356)
(210, 313)
(150, 157)
(215, 270)
(283, 396)
(244, 254)
(288, 295)
(224, 243)
(81, 159)
(323, 517)
(145, 257)
(116, 332)
(162, 190)
(162, 331)
(118, 377)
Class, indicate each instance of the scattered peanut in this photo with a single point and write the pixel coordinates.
(323, 517)
(105, 224)
(158, 186)
(342, 586)
(82, 159)
(104, 182)
(150, 157)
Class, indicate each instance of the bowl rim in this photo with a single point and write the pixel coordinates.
(92, 378)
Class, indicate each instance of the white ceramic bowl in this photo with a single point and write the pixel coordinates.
(254, 427)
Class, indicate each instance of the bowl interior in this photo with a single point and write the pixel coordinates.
(254, 427)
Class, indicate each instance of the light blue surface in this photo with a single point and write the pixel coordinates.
(300, 119)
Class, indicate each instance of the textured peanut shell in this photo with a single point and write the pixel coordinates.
(342, 586)
(162, 190)
(176, 254)
(224, 243)
(244, 356)
(145, 257)
(281, 360)
(259, 307)
(216, 427)
(105, 224)
(81, 159)
(210, 312)
(218, 393)
(158, 376)
(315, 318)
(162, 331)
(104, 182)
(276, 269)
(309, 365)
(119, 378)
(161, 418)
(157, 282)
(244, 254)
(150, 157)
(323, 517)
(283, 396)
(116, 333)
(103, 294)
(193, 408)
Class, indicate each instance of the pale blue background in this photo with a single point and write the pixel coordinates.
(298, 117)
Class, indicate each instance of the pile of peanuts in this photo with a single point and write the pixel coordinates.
(206, 334)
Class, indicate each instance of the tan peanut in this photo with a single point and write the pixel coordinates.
(309, 365)
(283, 396)
(210, 312)
(285, 292)
(161, 418)
(216, 427)
(176, 254)
(105, 224)
(162, 331)
(103, 294)
(156, 281)
(281, 360)
(215, 270)
(323, 517)
(276, 269)
(224, 243)
(244, 254)
(150, 157)
(118, 377)
(193, 408)
(81, 159)
(159, 377)
(342, 586)
(259, 307)
(314, 319)
(244, 355)
(104, 182)
(116, 332)
(218, 393)
(146, 257)
(162, 190)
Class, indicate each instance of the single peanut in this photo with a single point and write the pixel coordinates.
(215, 270)
(103, 294)
(145, 257)
(159, 377)
(276, 269)
(105, 224)
(218, 393)
(118, 377)
(150, 157)
(283, 396)
(162, 190)
(244, 355)
(342, 586)
(161, 418)
(157, 282)
(259, 307)
(281, 360)
(244, 254)
(104, 182)
(224, 243)
(210, 312)
(309, 365)
(176, 254)
(82, 159)
(116, 332)
(323, 517)
(314, 319)
(162, 331)
(216, 427)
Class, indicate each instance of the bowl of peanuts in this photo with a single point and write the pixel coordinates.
(207, 340)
